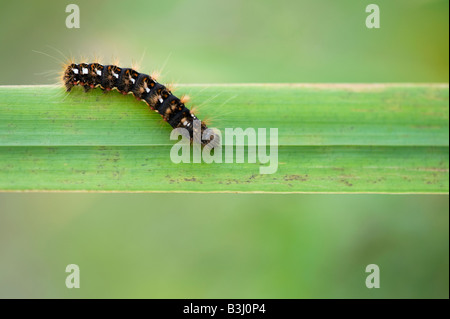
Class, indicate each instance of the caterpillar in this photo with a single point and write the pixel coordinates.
(145, 88)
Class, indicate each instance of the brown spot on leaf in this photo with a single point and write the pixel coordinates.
(294, 177)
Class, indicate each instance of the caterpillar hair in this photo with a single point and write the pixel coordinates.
(144, 87)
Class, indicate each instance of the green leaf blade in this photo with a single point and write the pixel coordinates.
(332, 139)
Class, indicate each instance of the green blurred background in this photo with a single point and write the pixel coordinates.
(218, 41)
(227, 245)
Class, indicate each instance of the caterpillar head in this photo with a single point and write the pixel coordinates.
(71, 76)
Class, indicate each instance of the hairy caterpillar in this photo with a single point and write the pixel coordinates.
(126, 80)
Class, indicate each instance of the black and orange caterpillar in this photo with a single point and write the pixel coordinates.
(125, 80)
